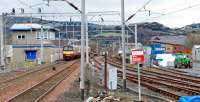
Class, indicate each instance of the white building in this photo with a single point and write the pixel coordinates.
(26, 42)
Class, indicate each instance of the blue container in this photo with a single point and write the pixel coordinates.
(155, 45)
(189, 99)
(157, 49)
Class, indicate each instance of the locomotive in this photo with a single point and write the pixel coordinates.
(71, 52)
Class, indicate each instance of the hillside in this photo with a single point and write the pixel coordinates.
(145, 30)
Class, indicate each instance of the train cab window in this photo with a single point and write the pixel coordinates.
(68, 48)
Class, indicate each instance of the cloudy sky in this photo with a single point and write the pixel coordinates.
(162, 11)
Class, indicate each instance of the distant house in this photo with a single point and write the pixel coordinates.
(172, 44)
(26, 42)
(107, 39)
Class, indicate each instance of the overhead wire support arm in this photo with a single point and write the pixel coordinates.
(143, 7)
(71, 4)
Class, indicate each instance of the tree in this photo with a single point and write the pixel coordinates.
(193, 39)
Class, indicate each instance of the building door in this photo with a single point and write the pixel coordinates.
(31, 55)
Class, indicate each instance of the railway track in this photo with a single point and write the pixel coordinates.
(176, 85)
(11, 81)
(164, 70)
(156, 89)
(173, 74)
(40, 90)
(162, 82)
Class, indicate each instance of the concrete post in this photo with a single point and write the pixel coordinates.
(123, 43)
(83, 31)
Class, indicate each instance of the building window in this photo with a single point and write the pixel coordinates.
(23, 36)
(20, 37)
(175, 48)
(44, 35)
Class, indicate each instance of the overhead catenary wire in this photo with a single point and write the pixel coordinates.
(69, 3)
(175, 11)
(30, 6)
(23, 3)
(130, 17)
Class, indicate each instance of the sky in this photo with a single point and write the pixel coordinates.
(162, 11)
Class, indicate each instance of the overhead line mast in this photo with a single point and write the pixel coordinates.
(83, 32)
(123, 43)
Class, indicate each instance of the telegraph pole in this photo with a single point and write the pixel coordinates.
(2, 40)
(123, 43)
(83, 31)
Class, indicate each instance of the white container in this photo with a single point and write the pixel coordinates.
(196, 53)
(165, 60)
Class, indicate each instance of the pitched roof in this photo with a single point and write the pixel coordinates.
(29, 26)
(179, 39)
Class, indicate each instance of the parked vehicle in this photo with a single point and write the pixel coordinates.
(182, 60)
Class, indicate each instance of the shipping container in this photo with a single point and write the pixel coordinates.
(189, 99)
(157, 49)
(196, 53)
(165, 60)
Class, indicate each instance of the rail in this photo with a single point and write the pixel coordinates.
(38, 91)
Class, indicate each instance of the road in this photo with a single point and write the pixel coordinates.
(196, 65)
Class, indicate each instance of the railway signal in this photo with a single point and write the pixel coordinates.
(138, 57)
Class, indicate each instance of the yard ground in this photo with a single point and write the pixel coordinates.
(92, 89)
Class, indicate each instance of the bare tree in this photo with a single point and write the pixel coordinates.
(193, 39)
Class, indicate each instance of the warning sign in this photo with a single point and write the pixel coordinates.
(137, 56)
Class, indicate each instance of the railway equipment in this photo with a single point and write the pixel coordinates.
(181, 60)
